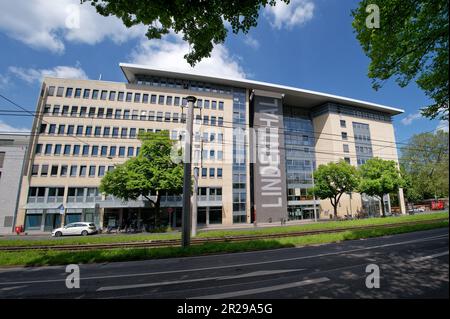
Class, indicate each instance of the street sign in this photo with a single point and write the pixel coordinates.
(61, 209)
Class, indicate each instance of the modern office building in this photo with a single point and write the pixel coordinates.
(13, 149)
(256, 145)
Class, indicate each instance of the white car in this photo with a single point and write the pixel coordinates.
(79, 228)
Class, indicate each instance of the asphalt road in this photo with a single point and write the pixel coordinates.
(413, 265)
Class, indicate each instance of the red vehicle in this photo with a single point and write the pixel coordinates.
(437, 205)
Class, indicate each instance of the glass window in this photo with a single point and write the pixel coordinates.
(106, 131)
(35, 170)
(69, 92)
(204, 171)
(51, 91)
(120, 97)
(88, 130)
(109, 113)
(130, 151)
(67, 149)
(98, 131)
(44, 170)
(200, 103)
(65, 110)
(101, 112)
(76, 150)
(101, 171)
(169, 100)
(129, 96)
(85, 150)
(58, 148)
(54, 170)
(124, 132)
(346, 148)
(344, 135)
(219, 172)
(206, 104)
(214, 105)
(212, 172)
(161, 99)
(145, 98)
(122, 151)
(94, 151)
(95, 94)
(92, 171)
(159, 116)
(137, 97)
(38, 148)
(48, 149)
(167, 117)
(126, 114)
(118, 114)
(133, 132)
(91, 111)
(80, 130)
(52, 129)
(83, 170)
(77, 93)
(104, 150)
(56, 109)
(86, 93)
(63, 171)
(115, 132)
(73, 170)
(221, 105)
(112, 151)
(176, 101)
(213, 120)
(153, 99)
(104, 95)
(343, 124)
(112, 95)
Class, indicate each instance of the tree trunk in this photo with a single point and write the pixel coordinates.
(335, 211)
(382, 206)
(158, 209)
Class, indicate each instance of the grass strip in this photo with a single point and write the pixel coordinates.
(221, 233)
(41, 258)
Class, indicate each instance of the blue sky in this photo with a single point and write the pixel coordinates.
(309, 44)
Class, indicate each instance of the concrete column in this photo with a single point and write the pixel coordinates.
(207, 216)
(401, 200)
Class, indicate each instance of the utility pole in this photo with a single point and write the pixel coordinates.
(194, 203)
(314, 194)
(186, 233)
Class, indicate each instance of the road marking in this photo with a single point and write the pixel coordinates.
(429, 257)
(165, 283)
(235, 265)
(264, 289)
(12, 288)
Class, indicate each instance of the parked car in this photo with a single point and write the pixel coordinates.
(79, 228)
(416, 210)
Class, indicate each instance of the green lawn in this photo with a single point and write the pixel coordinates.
(40, 258)
(222, 233)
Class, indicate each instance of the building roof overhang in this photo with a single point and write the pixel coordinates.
(292, 96)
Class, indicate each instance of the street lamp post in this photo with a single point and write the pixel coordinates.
(186, 231)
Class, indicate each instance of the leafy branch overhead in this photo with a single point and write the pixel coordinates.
(411, 44)
(202, 23)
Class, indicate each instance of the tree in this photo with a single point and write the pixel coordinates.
(332, 180)
(151, 172)
(411, 43)
(378, 178)
(425, 161)
(200, 22)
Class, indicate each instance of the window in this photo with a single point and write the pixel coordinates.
(54, 170)
(63, 171)
(126, 114)
(92, 171)
(70, 129)
(43, 128)
(48, 149)
(137, 97)
(129, 97)
(213, 121)
(184, 101)
(101, 171)
(73, 170)
(118, 114)
(106, 131)
(212, 172)
(347, 159)
(219, 173)
(153, 99)
(344, 135)
(132, 132)
(161, 99)
(169, 100)
(56, 109)
(143, 116)
(167, 117)
(151, 115)
(115, 132)
(95, 94)
(124, 132)
(103, 95)
(176, 101)
(159, 116)
(35, 170)
(38, 150)
(214, 105)
(76, 150)
(200, 103)
(67, 149)
(44, 170)
(51, 91)
(145, 98)
(65, 110)
(343, 124)
(120, 97)
(77, 93)
(69, 92)
(205, 119)
(206, 106)
(85, 150)
(112, 151)
(112, 95)
(135, 115)
(109, 113)
(83, 111)
(122, 151)
(92, 112)
(346, 148)
(58, 148)
(212, 154)
(130, 151)
(219, 156)
(88, 130)
(94, 151)
(80, 130)
(52, 129)
(86, 93)
(47, 109)
(101, 112)
(221, 105)
(220, 121)
(97, 131)
(83, 169)
(204, 171)
(104, 151)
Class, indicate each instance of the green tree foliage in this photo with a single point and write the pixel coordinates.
(152, 171)
(425, 165)
(379, 177)
(411, 43)
(200, 22)
(332, 180)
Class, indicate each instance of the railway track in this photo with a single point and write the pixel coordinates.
(199, 241)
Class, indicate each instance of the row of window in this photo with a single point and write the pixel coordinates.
(213, 172)
(129, 97)
(87, 150)
(72, 170)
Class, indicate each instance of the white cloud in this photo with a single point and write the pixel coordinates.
(6, 128)
(4, 81)
(36, 75)
(287, 16)
(442, 126)
(45, 24)
(411, 118)
(168, 53)
(251, 42)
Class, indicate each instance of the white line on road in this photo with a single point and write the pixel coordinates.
(12, 288)
(429, 257)
(235, 265)
(264, 289)
(165, 283)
